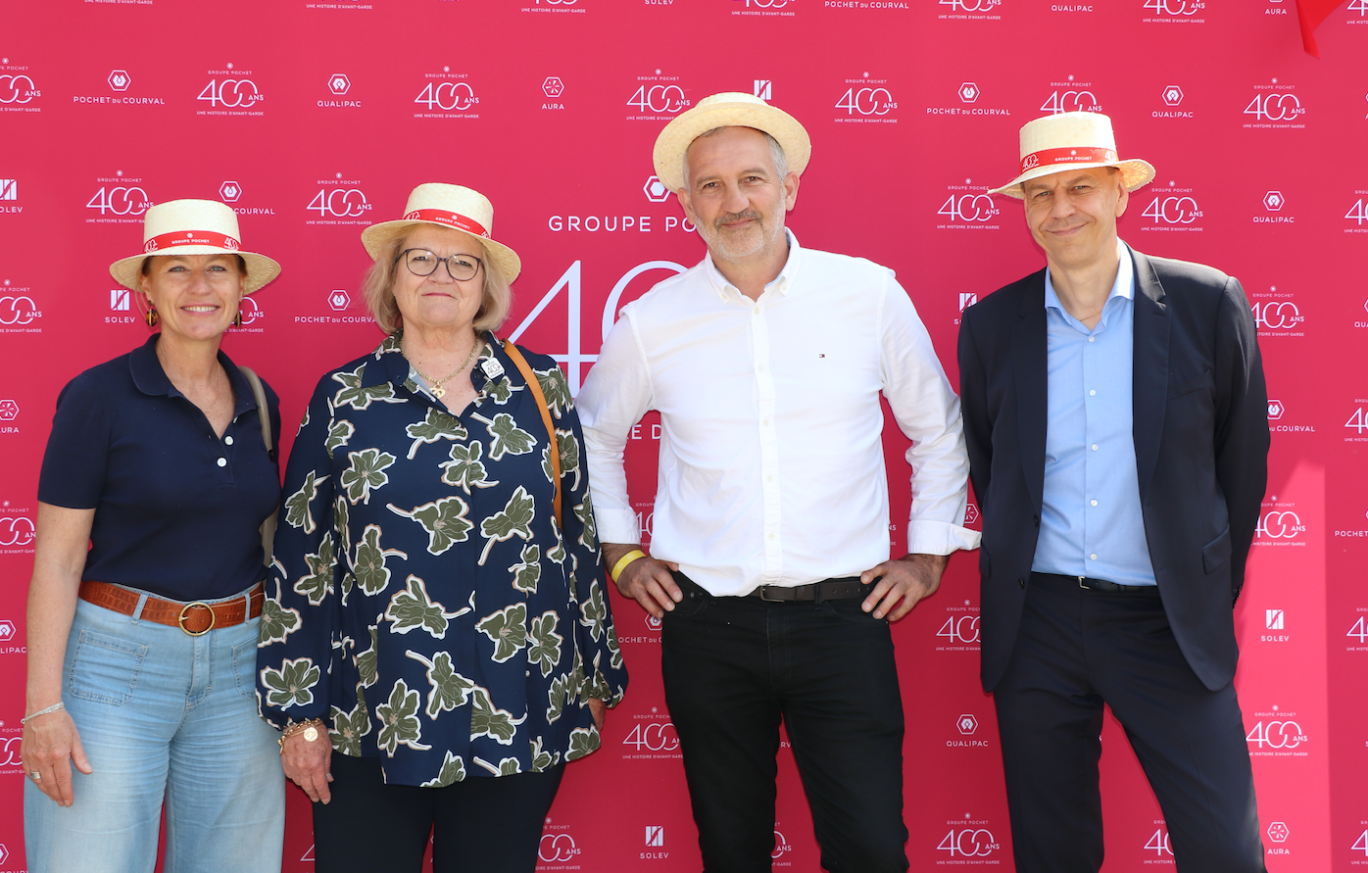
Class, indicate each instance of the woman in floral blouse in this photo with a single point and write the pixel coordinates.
(426, 612)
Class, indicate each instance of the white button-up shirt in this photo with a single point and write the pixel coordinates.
(771, 467)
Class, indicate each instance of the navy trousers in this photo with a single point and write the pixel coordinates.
(734, 667)
(1076, 650)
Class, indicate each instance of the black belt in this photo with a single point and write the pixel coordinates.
(1089, 584)
(846, 588)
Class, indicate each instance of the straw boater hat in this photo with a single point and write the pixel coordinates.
(728, 109)
(452, 206)
(1072, 140)
(193, 227)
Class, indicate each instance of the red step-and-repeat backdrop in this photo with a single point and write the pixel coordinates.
(314, 119)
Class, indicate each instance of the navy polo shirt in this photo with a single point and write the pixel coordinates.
(177, 507)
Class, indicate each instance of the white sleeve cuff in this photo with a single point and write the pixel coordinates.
(617, 526)
(938, 538)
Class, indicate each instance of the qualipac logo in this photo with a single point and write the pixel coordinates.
(1275, 106)
(339, 86)
(231, 92)
(1172, 209)
(1071, 96)
(447, 95)
(867, 100)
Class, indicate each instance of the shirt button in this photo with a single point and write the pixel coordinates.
(1092, 339)
(1094, 448)
(228, 440)
(771, 536)
(1093, 557)
(1092, 393)
(765, 422)
(223, 462)
(1094, 503)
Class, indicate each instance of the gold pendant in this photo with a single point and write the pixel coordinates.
(438, 391)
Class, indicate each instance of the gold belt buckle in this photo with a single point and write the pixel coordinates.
(213, 618)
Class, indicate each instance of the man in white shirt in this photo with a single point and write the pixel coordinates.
(771, 565)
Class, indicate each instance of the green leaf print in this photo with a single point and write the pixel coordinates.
(411, 608)
(583, 741)
(367, 672)
(528, 572)
(588, 533)
(449, 688)
(437, 425)
(556, 390)
(338, 435)
(352, 394)
(399, 722)
(562, 691)
(291, 684)
(277, 623)
(348, 729)
(593, 611)
(486, 720)
(453, 771)
(541, 759)
(318, 583)
(444, 520)
(546, 643)
(465, 469)
(369, 565)
(507, 629)
(498, 390)
(509, 439)
(366, 473)
(505, 767)
(297, 505)
(514, 520)
(340, 515)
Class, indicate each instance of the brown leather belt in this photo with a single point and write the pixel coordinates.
(196, 618)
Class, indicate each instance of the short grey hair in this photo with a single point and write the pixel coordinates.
(776, 153)
(378, 290)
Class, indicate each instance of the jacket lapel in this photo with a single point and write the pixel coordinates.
(1149, 378)
(1031, 371)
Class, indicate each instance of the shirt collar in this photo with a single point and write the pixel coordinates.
(391, 365)
(1123, 287)
(151, 379)
(783, 283)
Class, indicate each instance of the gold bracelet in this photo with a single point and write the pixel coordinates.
(310, 729)
(623, 562)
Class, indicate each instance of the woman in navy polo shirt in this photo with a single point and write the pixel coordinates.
(143, 609)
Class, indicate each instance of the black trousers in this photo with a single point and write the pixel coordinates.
(1076, 650)
(480, 825)
(734, 667)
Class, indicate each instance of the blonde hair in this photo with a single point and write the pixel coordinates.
(378, 290)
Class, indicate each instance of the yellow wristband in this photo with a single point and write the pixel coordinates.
(624, 561)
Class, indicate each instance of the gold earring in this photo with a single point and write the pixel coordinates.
(237, 319)
(151, 317)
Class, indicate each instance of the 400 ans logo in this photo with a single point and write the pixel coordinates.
(120, 200)
(1173, 210)
(231, 93)
(657, 736)
(867, 101)
(659, 99)
(969, 207)
(1275, 107)
(1175, 8)
(340, 203)
(448, 96)
(969, 843)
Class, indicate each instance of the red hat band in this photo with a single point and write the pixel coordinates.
(450, 219)
(191, 238)
(1055, 157)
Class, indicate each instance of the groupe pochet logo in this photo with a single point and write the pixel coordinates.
(447, 95)
(1071, 96)
(866, 100)
(967, 840)
(784, 8)
(18, 311)
(990, 10)
(652, 737)
(1276, 733)
(960, 630)
(231, 91)
(554, 6)
(1171, 209)
(1174, 12)
(18, 91)
(1275, 106)
(657, 97)
(968, 207)
(119, 199)
(339, 201)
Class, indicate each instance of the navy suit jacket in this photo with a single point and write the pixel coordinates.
(1201, 449)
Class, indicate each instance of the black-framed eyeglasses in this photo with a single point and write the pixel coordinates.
(422, 262)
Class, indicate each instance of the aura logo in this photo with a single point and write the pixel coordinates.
(960, 629)
(867, 101)
(1279, 526)
(764, 89)
(658, 99)
(966, 724)
(1274, 201)
(968, 208)
(1274, 619)
(118, 299)
(448, 96)
(968, 92)
(16, 530)
(655, 835)
(1276, 735)
(1278, 832)
(229, 192)
(556, 848)
(120, 200)
(119, 80)
(339, 84)
(1276, 315)
(9, 410)
(656, 736)
(18, 89)
(1278, 106)
(339, 203)
(1173, 95)
(18, 310)
(969, 843)
(656, 192)
(553, 86)
(1173, 210)
(338, 300)
(231, 93)
(1071, 99)
(1159, 843)
(1175, 8)
(971, 5)
(1275, 409)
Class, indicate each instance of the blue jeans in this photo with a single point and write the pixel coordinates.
(162, 715)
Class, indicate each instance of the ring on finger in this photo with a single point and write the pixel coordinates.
(36, 776)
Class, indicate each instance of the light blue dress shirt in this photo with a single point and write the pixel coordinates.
(1091, 523)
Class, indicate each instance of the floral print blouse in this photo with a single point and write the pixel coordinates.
(423, 600)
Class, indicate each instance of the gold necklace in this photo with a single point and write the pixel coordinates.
(435, 385)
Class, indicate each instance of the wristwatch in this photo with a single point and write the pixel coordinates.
(309, 729)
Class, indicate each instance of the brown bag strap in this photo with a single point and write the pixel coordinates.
(268, 526)
(521, 363)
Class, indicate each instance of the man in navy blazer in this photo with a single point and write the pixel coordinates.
(1116, 418)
